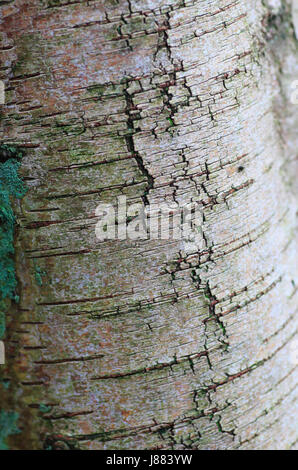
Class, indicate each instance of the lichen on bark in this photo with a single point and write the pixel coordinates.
(8, 427)
(11, 186)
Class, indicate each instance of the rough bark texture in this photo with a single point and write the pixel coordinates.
(125, 345)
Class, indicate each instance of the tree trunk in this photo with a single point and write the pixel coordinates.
(150, 344)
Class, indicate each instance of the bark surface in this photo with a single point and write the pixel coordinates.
(150, 344)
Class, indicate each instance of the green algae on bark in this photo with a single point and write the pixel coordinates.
(11, 186)
(8, 426)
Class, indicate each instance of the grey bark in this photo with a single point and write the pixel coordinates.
(125, 345)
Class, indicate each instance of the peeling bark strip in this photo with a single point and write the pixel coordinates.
(152, 345)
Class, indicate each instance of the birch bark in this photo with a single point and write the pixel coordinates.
(150, 345)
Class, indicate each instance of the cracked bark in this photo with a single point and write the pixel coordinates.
(150, 345)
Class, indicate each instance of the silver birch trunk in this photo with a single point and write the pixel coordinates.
(150, 344)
